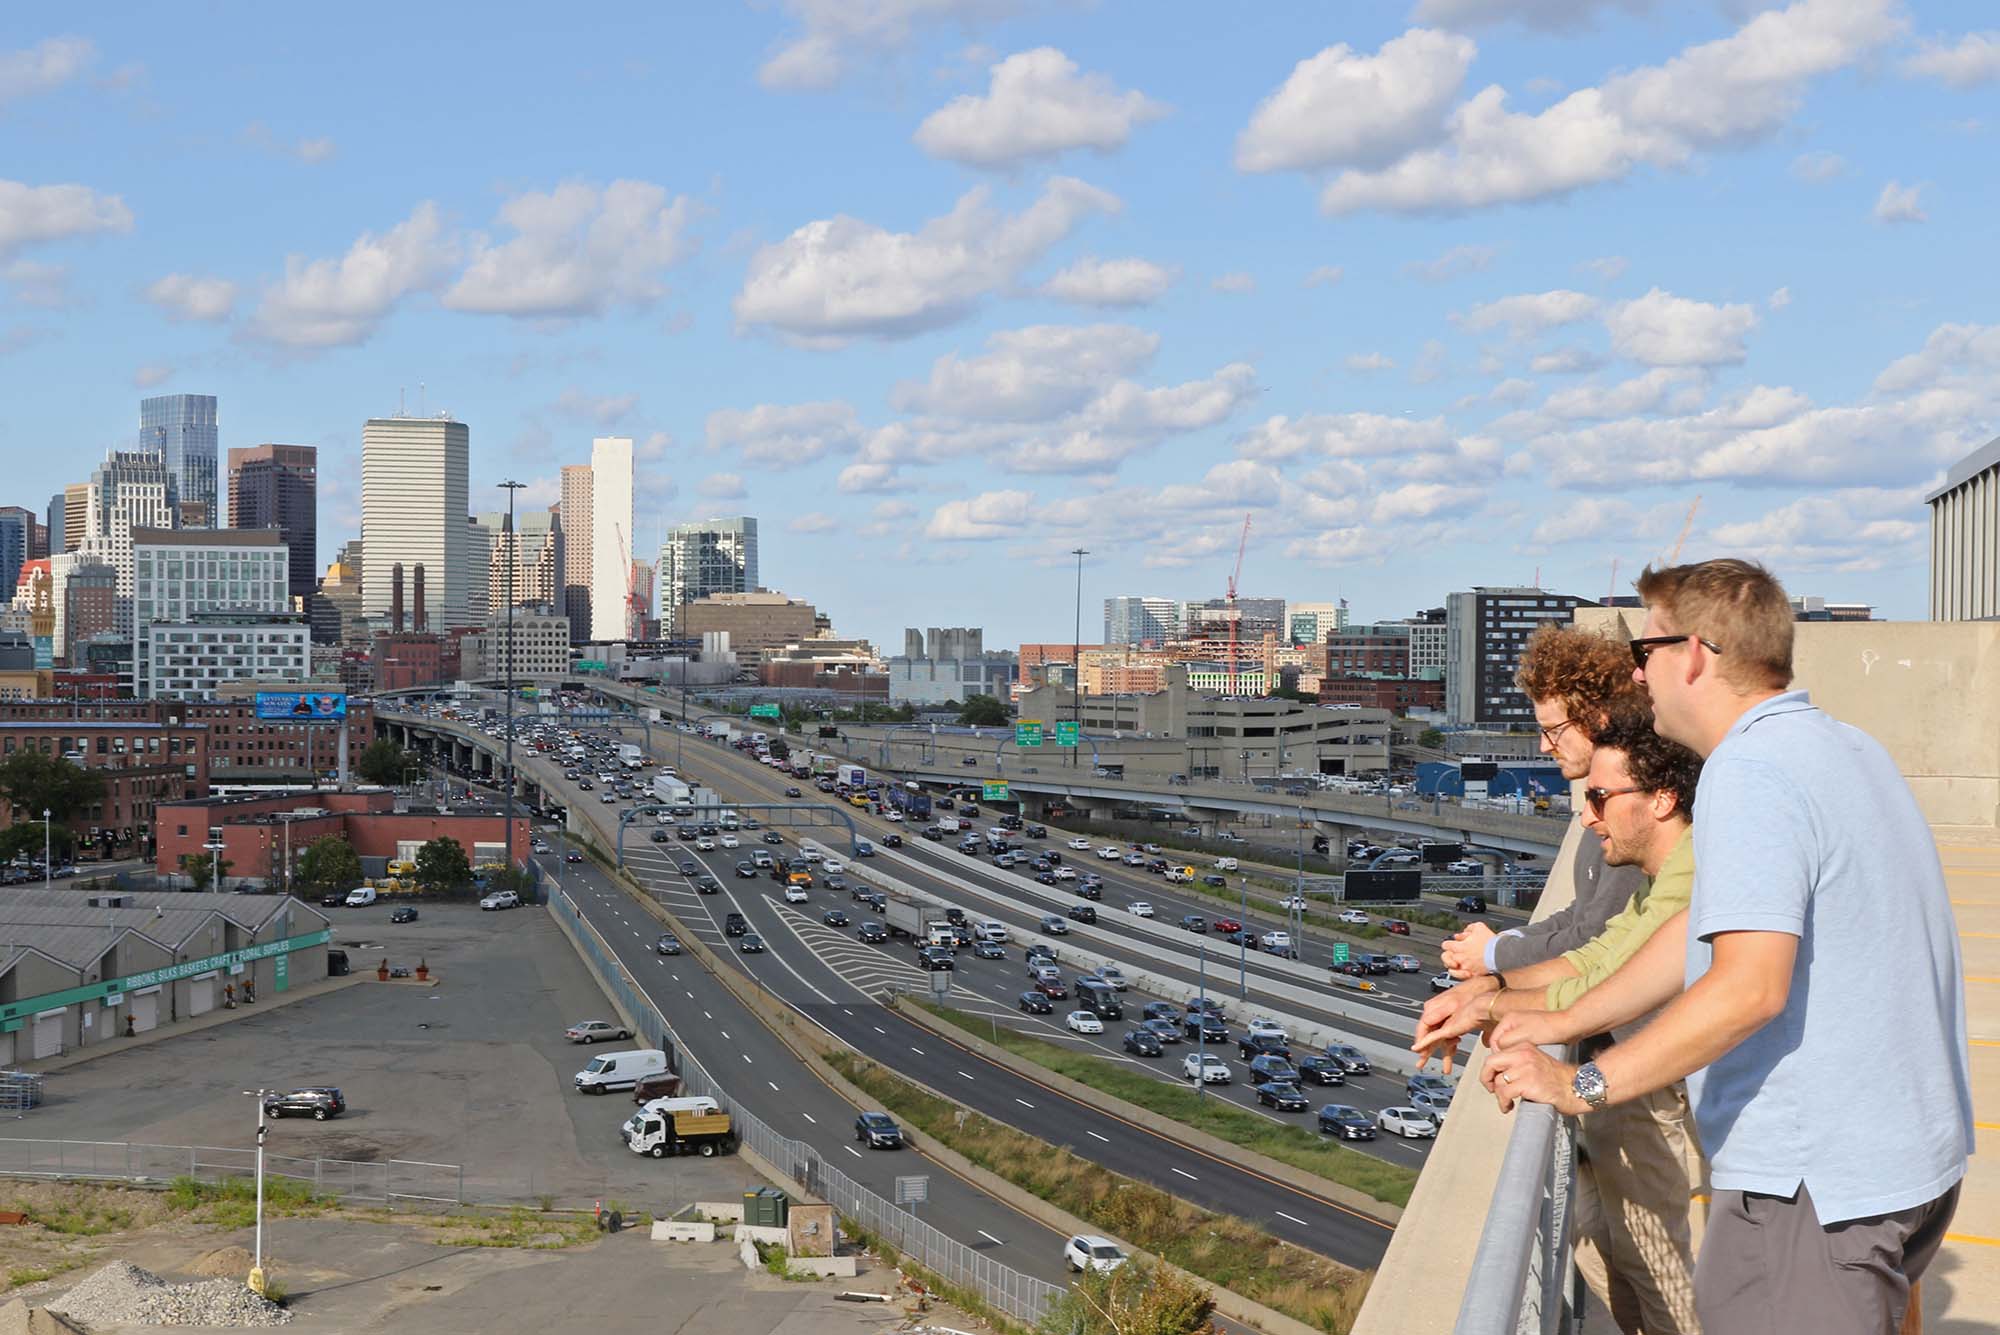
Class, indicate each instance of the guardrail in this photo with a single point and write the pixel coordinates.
(1521, 1279)
(388, 1181)
(1020, 1296)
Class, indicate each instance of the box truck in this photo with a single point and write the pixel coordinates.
(908, 917)
(854, 776)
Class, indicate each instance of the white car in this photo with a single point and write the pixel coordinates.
(1465, 867)
(1064, 873)
(833, 866)
(501, 899)
(795, 894)
(1135, 859)
(730, 841)
(1277, 943)
(1115, 976)
(1225, 864)
(1355, 916)
(1265, 1027)
(1209, 1069)
(704, 845)
(1090, 1252)
(893, 816)
(1139, 908)
(1083, 1022)
(1110, 854)
(1294, 902)
(1443, 982)
(1081, 844)
(810, 854)
(1409, 1123)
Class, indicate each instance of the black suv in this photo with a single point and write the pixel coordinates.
(1083, 912)
(318, 1102)
(734, 925)
(1472, 904)
(1258, 1045)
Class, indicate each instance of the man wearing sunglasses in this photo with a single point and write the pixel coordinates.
(1811, 857)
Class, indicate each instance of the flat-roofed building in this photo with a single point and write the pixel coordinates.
(1965, 539)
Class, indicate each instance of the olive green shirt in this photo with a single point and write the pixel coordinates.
(1631, 927)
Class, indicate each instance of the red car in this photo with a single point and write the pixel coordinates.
(1227, 925)
(1397, 927)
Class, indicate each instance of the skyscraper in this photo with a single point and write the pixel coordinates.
(76, 515)
(610, 536)
(1485, 631)
(181, 428)
(17, 540)
(710, 557)
(577, 533)
(130, 489)
(533, 553)
(54, 520)
(1133, 619)
(413, 513)
(478, 570)
(276, 486)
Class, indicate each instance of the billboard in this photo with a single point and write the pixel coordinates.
(302, 706)
(1382, 887)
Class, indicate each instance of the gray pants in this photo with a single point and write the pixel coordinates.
(1768, 1264)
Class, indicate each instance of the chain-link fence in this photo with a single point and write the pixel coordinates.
(1021, 1296)
(384, 1181)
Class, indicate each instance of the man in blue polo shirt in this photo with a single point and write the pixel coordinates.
(1812, 860)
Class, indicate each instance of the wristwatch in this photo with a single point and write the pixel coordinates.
(1590, 1087)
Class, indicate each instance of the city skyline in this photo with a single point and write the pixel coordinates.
(975, 292)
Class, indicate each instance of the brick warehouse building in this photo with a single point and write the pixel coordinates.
(258, 831)
(148, 756)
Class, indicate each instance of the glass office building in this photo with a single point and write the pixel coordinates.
(181, 428)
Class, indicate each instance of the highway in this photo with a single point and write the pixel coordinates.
(840, 1001)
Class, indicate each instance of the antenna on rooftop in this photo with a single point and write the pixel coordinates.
(401, 406)
(422, 403)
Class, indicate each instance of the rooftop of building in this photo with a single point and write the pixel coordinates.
(66, 926)
(1985, 457)
(207, 537)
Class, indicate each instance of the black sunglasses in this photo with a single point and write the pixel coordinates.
(1595, 798)
(1642, 649)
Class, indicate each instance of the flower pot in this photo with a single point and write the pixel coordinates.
(423, 971)
(382, 971)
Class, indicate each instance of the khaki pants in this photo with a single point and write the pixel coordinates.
(1636, 1213)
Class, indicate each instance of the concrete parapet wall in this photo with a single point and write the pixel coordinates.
(667, 1230)
(826, 1267)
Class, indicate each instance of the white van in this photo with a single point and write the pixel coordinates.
(992, 930)
(1225, 864)
(361, 898)
(619, 1070)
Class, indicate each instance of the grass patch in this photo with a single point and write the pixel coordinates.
(80, 1219)
(1219, 1248)
(1288, 1144)
(21, 1276)
(522, 1228)
(964, 1299)
(232, 1202)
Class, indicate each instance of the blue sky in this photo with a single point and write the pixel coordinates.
(1438, 292)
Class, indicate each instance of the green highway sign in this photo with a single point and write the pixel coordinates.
(1340, 952)
(1028, 732)
(764, 711)
(994, 790)
(1067, 731)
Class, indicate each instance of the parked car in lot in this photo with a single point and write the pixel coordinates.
(1208, 1068)
(403, 913)
(318, 1102)
(1409, 1123)
(1035, 1003)
(595, 1031)
(878, 1131)
(1346, 1121)
(501, 899)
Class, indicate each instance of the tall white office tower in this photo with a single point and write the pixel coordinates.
(611, 541)
(413, 513)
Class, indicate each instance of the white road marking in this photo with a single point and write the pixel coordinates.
(1024, 1103)
(810, 1118)
(723, 1032)
(1105, 1139)
(878, 1029)
(918, 1051)
(966, 1076)
(774, 1088)
(851, 1150)
(1294, 1218)
(746, 1059)
(1184, 1173)
(990, 1238)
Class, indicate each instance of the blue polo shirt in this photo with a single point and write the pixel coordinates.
(1860, 1089)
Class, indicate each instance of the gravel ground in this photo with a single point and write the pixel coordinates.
(124, 1294)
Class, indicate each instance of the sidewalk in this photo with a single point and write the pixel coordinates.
(177, 1028)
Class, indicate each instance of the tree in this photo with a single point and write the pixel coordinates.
(1432, 738)
(518, 879)
(325, 865)
(33, 783)
(982, 711)
(206, 871)
(26, 837)
(1135, 1299)
(442, 866)
(384, 762)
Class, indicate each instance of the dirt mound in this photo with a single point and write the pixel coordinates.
(223, 1263)
(17, 1318)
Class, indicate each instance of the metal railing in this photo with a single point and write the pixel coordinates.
(1522, 1281)
(386, 1181)
(1019, 1295)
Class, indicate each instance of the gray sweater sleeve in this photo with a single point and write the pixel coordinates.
(1600, 892)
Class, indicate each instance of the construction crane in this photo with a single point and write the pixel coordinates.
(1686, 525)
(635, 617)
(1236, 617)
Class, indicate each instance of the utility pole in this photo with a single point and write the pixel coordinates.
(513, 560)
(1076, 661)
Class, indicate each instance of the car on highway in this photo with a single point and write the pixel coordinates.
(1082, 912)
(1035, 1003)
(1036, 957)
(1346, 1121)
(1294, 902)
(1087, 1251)
(704, 845)
(1064, 873)
(1167, 1031)
(1281, 1095)
(1161, 1010)
(1355, 916)
(989, 950)
(935, 958)
(1142, 1042)
(1053, 987)
(1406, 964)
(1110, 853)
(751, 944)
(1471, 904)
(1225, 864)
(1226, 926)
(1322, 1071)
(1352, 1060)
(318, 1102)
(1054, 925)
(1409, 1123)
(878, 1131)
(1254, 1045)
(892, 840)
(572, 856)
(833, 866)
(1443, 982)
(689, 867)
(1193, 922)
(1465, 867)
(1395, 927)
(734, 924)
(403, 913)
(793, 792)
(727, 841)
(1206, 1067)
(500, 899)
(1139, 908)
(771, 837)
(595, 1031)
(1270, 1066)
(659, 836)
(1083, 1022)
(1436, 1105)
(668, 944)
(1425, 1083)
(1263, 1026)
(1115, 976)
(747, 870)
(1080, 844)
(795, 894)
(1208, 1028)
(871, 931)
(834, 917)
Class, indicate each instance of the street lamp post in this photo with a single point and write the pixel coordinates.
(513, 560)
(48, 866)
(1243, 937)
(214, 848)
(256, 1277)
(1076, 658)
(1201, 1026)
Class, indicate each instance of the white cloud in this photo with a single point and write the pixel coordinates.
(332, 302)
(1950, 350)
(1423, 500)
(1674, 388)
(1819, 166)
(982, 518)
(813, 521)
(1128, 418)
(863, 478)
(1235, 281)
(33, 215)
(722, 487)
(1972, 60)
(1565, 361)
(1112, 283)
(603, 409)
(1661, 329)
(1039, 105)
(1531, 313)
(47, 65)
(1235, 483)
(148, 376)
(1778, 299)
(1454, 263)
(833, 32)
(1550, 15)
(576, 251)
(1028, 375)
(1899, 203)
(1341, 108)
(1610, 268)
(1366, 363)
(1719, 94)
(1344, 436)
(1858, 529)
(1586, 519)
(193, 297)
(32, 284)
(1327, 275)
(840, 278)
(783, 435)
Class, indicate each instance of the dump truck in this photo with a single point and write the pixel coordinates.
(659, 1133)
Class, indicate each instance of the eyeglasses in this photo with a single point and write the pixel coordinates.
(1595, 798)
(1642, 649)
(1555, 730)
